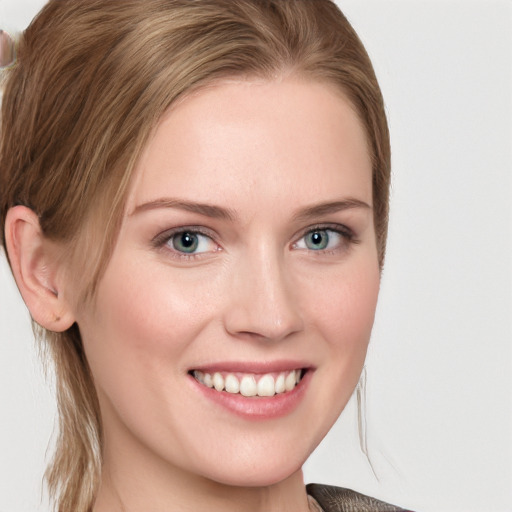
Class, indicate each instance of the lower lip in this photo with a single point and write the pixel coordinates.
(255, 407)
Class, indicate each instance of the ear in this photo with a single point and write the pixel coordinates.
(36, 270)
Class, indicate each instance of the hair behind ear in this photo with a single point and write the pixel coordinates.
(74, 472)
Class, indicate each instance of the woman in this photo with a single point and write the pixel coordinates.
(195, 212)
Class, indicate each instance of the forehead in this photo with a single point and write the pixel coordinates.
(270, 139)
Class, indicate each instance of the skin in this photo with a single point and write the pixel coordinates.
(268, 151)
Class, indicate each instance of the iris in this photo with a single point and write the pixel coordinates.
(317, 240)
(185, 242)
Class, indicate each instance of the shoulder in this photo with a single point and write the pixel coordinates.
(339, 499)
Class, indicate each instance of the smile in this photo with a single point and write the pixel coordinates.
(251, 384)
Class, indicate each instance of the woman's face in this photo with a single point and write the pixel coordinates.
(247, 258)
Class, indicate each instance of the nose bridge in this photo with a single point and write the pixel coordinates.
(264, 304)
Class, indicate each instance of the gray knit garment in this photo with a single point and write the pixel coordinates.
(338, 499)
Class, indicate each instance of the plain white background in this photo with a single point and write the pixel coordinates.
(440, 362)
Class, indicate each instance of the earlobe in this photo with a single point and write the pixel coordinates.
(36, 270)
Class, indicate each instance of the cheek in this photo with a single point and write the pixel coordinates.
(150, 307)
(142, 322)
(344, 307)
(354, 317)
(344, 314)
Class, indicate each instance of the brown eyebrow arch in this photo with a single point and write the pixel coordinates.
(331, 207)
(207, 210)
(217, 212)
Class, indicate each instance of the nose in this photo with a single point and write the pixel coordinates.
(263, 303)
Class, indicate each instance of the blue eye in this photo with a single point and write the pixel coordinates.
(317, 240)
(321, 240)
(191, 242)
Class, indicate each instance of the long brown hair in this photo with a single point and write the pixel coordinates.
(92, 79)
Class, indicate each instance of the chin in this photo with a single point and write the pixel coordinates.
(254, 464)
(251, 476)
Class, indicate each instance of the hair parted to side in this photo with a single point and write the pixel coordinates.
(92, 80)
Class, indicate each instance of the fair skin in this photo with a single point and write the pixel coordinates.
(247, 249)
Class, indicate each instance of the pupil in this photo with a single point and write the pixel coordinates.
(317, 238)
(187, 240)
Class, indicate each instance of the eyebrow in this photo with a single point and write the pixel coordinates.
(218, 212)
(208, 210)
(330, 207)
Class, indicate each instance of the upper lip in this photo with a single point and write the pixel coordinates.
(252, 366)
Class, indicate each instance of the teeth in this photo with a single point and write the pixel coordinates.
(290, 381)
(207, 379)
(248, 386)
(267, 385)
(280, 384)
(218, 381)
(232, 384)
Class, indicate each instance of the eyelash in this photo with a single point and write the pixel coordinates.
(164, 239)
(347, 238)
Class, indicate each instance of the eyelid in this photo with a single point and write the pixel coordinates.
(161, 240)
(344, 231)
